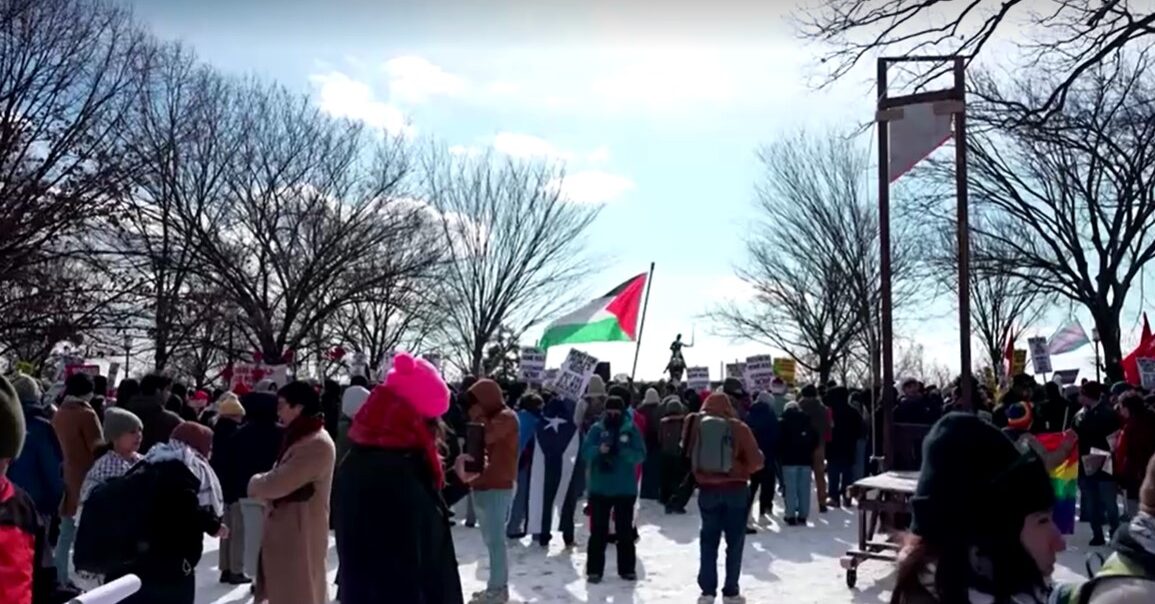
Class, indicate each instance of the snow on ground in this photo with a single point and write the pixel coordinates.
(780, 564)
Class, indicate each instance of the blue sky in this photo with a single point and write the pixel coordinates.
(657, 110)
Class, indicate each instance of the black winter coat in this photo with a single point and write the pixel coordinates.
(393, 533)
(797, 438)
(225, 460)
(254, 447)
(848, 428)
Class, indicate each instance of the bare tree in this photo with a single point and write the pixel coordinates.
(517, 249)
(1070, 38)
(1068, 207)
(813, 256)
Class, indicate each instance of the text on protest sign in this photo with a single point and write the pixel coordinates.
(574, 375)
(1040, 354)
(531, 367)
(1018, 362)
(698, 378)
(759, 371)
(736, 370)
(785, 368)
(1146, 372)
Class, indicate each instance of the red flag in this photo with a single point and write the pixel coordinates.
(1009, 353)
(1144, 349)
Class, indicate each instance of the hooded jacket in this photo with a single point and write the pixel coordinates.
(501, 436)
(613, 474)
(37, 470)
(816, 411)
(847, 429)
(798, 438)
(78, 430)
(747, 457)
(763, 423)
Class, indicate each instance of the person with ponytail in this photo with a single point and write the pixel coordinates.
(983, 532)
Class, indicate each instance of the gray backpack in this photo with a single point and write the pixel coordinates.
(714, 450)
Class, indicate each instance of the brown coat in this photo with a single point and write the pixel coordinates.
(747, 456)
(501, 428)
(295, 542)
(78, 429)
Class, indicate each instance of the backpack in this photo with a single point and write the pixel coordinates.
(670, 436)
(714, 447)
(114, 530)
(1116, 567)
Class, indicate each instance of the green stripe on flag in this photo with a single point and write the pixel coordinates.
(606, 330)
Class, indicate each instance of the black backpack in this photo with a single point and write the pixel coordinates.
(116, 522)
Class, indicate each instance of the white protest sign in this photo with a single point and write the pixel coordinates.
(549, 376)
(1146, 372)
(111, 592)
(698, 378)
(759, 372)
(574, 375)
(243, 374)
(736, 370)
(1040, 354)
(531, 367)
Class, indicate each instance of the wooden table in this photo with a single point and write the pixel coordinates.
(888, 493)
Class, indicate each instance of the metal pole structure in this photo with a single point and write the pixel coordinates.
(1095, 337)
(964, 240)
(885, 318)
(642, 325)
(127, 355)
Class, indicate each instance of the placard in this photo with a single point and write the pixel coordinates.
(1018, 362)
(1146, 372)
(698, 378)
(531, 366)
(785, 368)
(1065, 377)
(574, 375)
(736, 370)
(759, 372)
(243, 374)
(1040, 354)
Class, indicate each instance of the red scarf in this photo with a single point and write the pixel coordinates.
(300, 428)
(387, 421)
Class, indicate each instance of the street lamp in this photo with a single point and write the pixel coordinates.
(1095, 339)
(127, 353)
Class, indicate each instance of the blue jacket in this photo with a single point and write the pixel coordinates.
(614, 474)
(38, 469)
(763, 423)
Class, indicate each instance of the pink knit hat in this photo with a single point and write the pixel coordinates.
(419, 383)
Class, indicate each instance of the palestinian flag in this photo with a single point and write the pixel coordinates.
(610, 318)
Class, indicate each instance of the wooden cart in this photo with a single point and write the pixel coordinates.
(885, 494)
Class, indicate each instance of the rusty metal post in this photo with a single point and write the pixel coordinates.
(885, 318)
(964, 240)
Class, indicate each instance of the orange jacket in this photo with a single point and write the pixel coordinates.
(501, 427)
(747, 456)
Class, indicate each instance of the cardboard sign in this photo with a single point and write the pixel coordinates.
(1019, 362)
(759, 372)
(531, 368)
(1040, 354)
(785, 368)
(574, 375)
(698, 378)
(1146, 372)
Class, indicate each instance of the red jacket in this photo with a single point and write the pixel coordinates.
(21, 545)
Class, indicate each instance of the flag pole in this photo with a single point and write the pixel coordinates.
(642, 326)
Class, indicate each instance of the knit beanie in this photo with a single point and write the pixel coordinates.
(622, 392)
(974, 484)
(1120, 387)
(651, 397)
(1020, 416)
(419, 383)
(596, 387)
(199, 437)
(11, 422)
(27, 389)
(118, 422)
(615, 403)
(734, 387)
(672, 405)
(231, 407)
(777, 385)
(764, 398)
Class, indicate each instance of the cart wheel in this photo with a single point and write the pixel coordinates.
(851, 578)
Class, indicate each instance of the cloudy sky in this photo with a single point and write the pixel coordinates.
(656, 109)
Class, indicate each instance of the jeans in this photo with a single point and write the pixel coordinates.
(766, 479)
(231, 555)
(63, 553)
(1100, 498)
(254, 527)
(796, 481)
(839, 475)
(492, 511)
(723, 512)
(518, 514)
(601, 509)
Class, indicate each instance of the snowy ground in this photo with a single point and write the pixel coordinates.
(797, 565)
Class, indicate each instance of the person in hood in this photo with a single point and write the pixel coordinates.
(393, 533)
(819, 416)
(763, 421)
(722, 497)
(847, 429)
(493, 490)
(149, 406)
(962, 550)
(674, 463)
(253, 449)
(79, 432)
(37, 469)
(613, 447)
(1128, 575)
(778, 388)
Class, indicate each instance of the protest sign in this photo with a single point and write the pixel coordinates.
(1040, 354)
(785, 369)
(574, 375)
(736, 370)
(111, 592)
(759, 372)
(549, 376)
(698, 378)
(243, 374)
(1018, 362)
(1146, 372)
(1065, 377)
(531, 367)
(71, 370)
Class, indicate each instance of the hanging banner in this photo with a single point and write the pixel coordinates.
(915, 135)
(698, 378)
(531, 367)
(244, 373)
(1146, 372)
(71, 370)
(759, 372)
(1019, 362)
(784, 368)
(574, 375)
(1040, 354)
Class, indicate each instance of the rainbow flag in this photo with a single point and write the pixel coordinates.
(1065, 479)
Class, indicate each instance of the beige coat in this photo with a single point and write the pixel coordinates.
(295, 543)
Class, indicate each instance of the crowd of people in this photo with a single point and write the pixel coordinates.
(99, 485)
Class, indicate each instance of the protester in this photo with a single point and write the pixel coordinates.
(724, 454)
(651, 409)
(846, 431)
(674, 464)
(226, 462)
(1098, 491)
(493, 490)
(126, 390)
(296, 532)
(528, 418)
(819, 416)
(778, 400)
(149, 406)
(253, 450)
(613, 448)
(1128, 575)
(797, 441)
(37, 469)
(1135, 447)
(78, 430)
(393, 536)
(964, 550)
(763, 421)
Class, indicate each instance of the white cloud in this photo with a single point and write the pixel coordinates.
(593, 186)
(526, 146)
(599, 155)
(413, 79)
(465, 151)
(341, 96)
